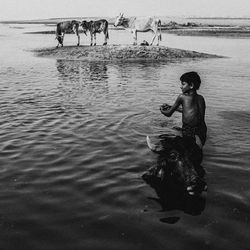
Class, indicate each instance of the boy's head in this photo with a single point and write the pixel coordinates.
(191, 78)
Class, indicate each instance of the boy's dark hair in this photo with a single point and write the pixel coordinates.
(191, 77)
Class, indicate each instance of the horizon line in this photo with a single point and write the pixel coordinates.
(167, 16)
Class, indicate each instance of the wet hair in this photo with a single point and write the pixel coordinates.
(191, 77)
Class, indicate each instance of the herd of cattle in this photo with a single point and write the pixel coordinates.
(134, 25)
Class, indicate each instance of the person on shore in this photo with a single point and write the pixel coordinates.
(192, 105)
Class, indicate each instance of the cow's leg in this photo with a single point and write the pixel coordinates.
(91, 39)
(153, 38)
(62, 38)
(78, 37)
(158, 37)
(59, 41)
(105, 38)
(95, 39)
(134, 32)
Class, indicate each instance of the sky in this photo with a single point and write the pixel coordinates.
(40, 9)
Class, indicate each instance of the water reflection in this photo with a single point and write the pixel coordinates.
(144, 70)
(82, 71)
(86, 81)
(171, 198)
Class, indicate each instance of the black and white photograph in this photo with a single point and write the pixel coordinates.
(124, 125)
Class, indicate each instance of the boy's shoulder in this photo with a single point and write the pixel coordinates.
(201, 97)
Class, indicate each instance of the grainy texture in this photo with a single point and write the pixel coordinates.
(121, 53)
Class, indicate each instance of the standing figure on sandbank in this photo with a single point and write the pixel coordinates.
(96, 27)
(140, 24)
(67, 27)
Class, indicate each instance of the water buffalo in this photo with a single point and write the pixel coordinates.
(96, 27)
(179, 163)
(142, 24)
(67, 27)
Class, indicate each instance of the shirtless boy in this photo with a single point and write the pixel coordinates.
(192, 105)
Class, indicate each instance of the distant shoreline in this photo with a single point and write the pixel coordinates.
(193, 26)
(58, 19)
(215, 32)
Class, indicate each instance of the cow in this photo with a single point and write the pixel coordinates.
(142, 24)
(67, 27)
(94, 27)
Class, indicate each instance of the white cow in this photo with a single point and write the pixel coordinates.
(142, 24)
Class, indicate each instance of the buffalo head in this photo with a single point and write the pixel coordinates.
(178, 177)
(178, 163)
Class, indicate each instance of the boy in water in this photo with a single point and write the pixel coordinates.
(192, 107)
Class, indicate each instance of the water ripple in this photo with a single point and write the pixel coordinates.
(73, 150)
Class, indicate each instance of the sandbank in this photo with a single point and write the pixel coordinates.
(121, 53)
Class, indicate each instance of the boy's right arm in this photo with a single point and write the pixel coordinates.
(165, 106)
(168, 110)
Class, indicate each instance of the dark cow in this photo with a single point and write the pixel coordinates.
(140, 24)
(179, 163)
(67, 27)
(96, 27)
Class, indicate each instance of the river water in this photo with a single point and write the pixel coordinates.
(73, 149)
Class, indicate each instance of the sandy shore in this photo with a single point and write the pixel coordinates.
(121, 53)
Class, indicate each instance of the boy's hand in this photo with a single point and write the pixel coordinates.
(165, 106)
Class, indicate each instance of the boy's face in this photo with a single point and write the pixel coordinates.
(185, 87)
